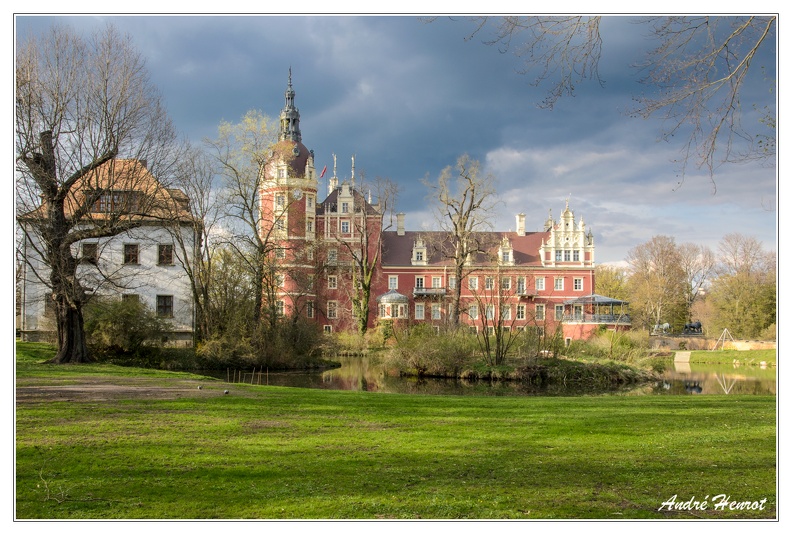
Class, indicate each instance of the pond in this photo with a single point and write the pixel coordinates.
(365, 374)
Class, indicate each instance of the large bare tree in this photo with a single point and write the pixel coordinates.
(464, 202)
(80, 102)
(694, 75)
(364, 247)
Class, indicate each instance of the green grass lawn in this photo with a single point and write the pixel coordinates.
(728, 356)
(270, 452)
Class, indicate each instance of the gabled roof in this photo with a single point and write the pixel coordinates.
(330, 204)
(152, 201)
(397, 250)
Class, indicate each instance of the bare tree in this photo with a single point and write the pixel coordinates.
(80, 102)
(694, 75)
(656, 282)
(463, 202)
(364, 247)
(698, 267)
(196, 249)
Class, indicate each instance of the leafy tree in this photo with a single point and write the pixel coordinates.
(80, 102)
(611, 281)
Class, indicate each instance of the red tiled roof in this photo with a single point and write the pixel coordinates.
(397, 250)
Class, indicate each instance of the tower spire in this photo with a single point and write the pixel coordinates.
(290, 117)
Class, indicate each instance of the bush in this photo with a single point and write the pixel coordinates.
(424, 352)
(123, 328)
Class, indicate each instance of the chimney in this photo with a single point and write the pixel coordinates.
(521, 224)
(400, 224)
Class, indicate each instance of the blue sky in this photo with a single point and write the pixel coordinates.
(407, 98)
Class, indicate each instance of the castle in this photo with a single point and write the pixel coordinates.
(328, 251)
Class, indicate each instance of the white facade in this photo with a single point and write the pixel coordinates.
(145, 262)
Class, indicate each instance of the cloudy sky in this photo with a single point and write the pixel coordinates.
(408, 97)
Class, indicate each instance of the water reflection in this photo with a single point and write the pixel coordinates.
(364, 374)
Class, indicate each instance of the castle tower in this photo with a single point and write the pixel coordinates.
(288, 203)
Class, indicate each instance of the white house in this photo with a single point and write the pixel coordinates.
(145, 262)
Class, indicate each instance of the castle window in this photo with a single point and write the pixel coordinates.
(559, 283)
(345, 227)
(437, 282)
(520, 285)
(332, 282)
(435, 311)
(558, 256)
(559, 312)
(578, 283)
(280, 200)
(540, 283)
(576, 255)
(506, 283)
(473, 283)
(344, 207)
(309, 309)
(567, 255)
(393, 282)
(165, 306)
(473, 312)
(489, 283)
(419, 311)
(332, 310)
(419, 282)
(520, 312)
(540, 312)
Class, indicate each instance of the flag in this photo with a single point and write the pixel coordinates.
(324, 169)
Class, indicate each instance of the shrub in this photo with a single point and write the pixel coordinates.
(123, 328)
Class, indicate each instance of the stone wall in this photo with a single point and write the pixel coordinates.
(693, 343)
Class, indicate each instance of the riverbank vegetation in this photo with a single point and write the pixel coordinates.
(99, 441)
(608, 359)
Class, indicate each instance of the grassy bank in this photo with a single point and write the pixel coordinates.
(729, 356)
(103, 442)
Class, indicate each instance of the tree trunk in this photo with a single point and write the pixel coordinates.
(71, 337)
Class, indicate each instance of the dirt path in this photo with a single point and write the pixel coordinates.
(79, 389)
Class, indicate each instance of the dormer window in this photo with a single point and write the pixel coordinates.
(419, 256)
(506, 253)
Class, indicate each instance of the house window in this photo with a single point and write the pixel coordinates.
(489, 283)
(436, 282)
(345, 227)
(419, 311)
(309, 309)
(131, 253)
(576, 255)
(332, 310)
(540, 283)
(473, 283)
(452, 282)
(520, 312)
(506, 283)
(558, 256)
(393, 282)
(419, 282)
(344, 207)
(165, 306)
(165, 254)
(435, 311)
(559, 312)
(578, 283)
(540, 312)
(90, 253)
(332, 282)
(473, 312)
(559, 283)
